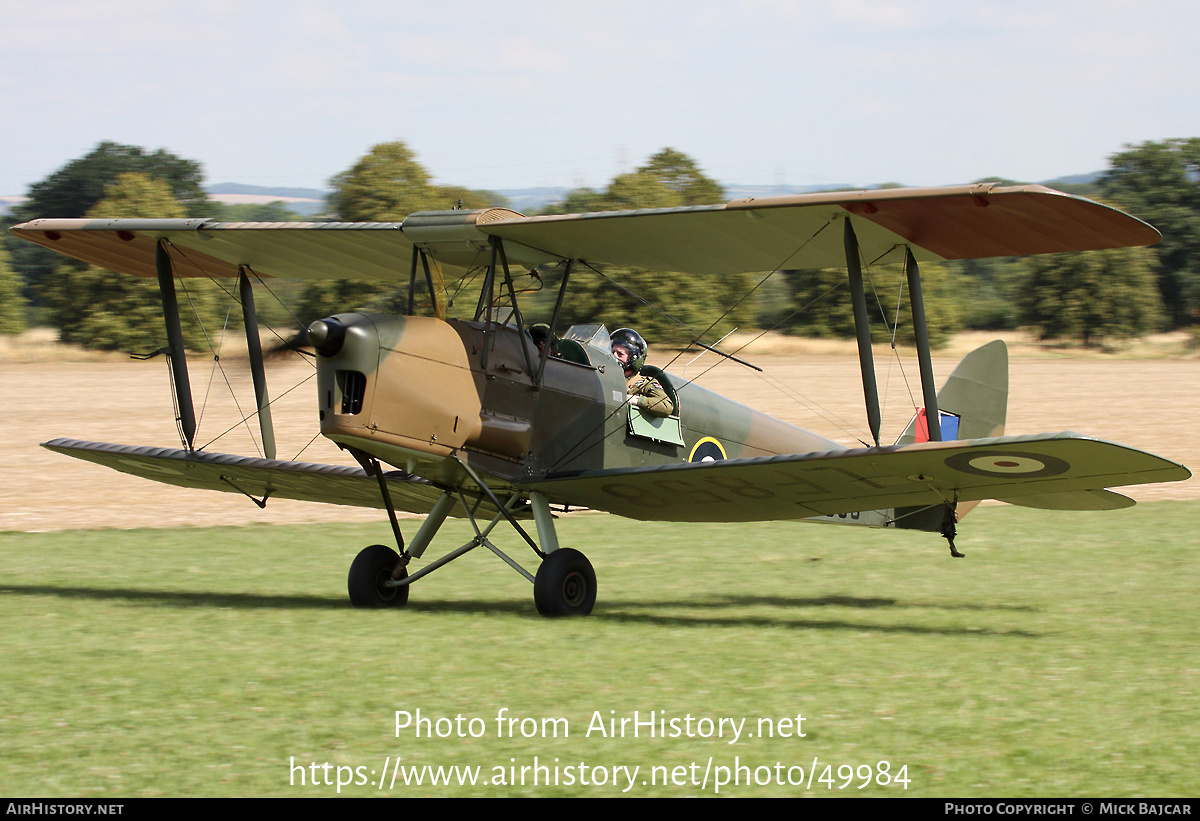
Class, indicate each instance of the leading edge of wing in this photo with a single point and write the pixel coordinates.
(202, 248)
(800, 231)
(797, 486)
(258, 478)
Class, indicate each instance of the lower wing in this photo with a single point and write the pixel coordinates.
(1062, 471)
(257, 478)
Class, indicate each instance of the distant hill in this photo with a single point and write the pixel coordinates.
(259, 190)
(1075, 179)
(734, 192)
(7, 204)
(530, 200)
(306, 201)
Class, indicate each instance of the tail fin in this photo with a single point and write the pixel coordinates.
(976, 393)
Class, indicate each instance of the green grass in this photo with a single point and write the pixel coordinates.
(1058, 659)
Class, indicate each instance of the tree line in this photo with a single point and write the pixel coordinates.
(1093, 297)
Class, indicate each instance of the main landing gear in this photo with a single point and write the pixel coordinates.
(373, 577)
(565, 584)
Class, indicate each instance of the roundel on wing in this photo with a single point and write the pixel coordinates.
(1007, 464)
(707, 450)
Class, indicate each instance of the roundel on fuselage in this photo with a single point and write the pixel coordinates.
(707, 450)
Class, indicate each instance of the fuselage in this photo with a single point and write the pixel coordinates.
(423, 394)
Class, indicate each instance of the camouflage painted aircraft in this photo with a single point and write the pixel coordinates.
(481, 423)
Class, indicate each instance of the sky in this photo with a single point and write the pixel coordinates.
(517, 94)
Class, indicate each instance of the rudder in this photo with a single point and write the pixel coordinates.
(976, 393)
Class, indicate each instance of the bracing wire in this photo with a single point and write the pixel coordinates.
(244, 420)
(215, 350)
(239, 423)
(791, 393)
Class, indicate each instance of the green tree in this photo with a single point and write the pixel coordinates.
(1160, 183)
(12, 302)
(385, 185)
(680, 173)
(667, 180)
(578, 201)
(991, 289)
(823, 308)
(640, 190)
(103, 310)
(455, 196)
(253, 212)
(73, 190)
(663, 306)
(1092, 295)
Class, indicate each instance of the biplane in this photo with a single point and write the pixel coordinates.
(453, 412)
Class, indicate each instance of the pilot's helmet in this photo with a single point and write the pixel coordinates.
(632, 341)
(540, 333)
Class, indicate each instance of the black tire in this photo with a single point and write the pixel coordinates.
(565, 584)
(371, 568)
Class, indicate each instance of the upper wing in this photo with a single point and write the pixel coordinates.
(766, 234)
(1047, 470)
(199, 248)
(754, 234)
(258, 478)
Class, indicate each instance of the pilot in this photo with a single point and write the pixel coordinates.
(540, 333)
(630, 350)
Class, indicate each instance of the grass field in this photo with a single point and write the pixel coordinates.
(1060, 658)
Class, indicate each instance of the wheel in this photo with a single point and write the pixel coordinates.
(371, 568)
(565, 584)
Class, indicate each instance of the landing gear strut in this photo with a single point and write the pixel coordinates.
(565, 584)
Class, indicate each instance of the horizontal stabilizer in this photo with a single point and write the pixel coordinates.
(258, 478)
